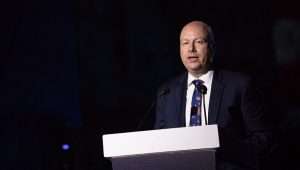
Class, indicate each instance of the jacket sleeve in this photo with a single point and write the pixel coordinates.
(250, 150)
(159, 110)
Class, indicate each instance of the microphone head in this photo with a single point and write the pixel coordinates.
(164, 91)
(202, 88)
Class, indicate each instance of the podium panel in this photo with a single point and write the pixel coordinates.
(179, 160)
(186, 148)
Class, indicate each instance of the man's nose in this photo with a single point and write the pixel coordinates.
(192, 47)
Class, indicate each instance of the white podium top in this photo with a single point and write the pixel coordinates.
(162, 140)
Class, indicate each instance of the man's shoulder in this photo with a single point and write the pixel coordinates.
(231, 76)
(174, 81)
(179, 78)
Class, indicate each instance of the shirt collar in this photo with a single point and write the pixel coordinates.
(204, 77)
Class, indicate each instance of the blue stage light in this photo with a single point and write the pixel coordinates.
(65, 147)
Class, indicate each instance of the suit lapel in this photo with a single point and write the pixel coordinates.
(181, 96)
(215, 98)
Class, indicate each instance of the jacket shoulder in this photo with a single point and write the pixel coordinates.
(173, 82)
(232, 77)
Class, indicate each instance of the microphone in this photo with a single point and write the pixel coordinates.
(203, 90)
(161, 93)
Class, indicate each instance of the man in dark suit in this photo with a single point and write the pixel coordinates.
(230, 100)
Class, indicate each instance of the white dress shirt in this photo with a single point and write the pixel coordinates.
(207, 79)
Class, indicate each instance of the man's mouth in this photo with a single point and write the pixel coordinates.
(193, 58)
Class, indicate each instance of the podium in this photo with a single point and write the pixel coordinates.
(186, 148)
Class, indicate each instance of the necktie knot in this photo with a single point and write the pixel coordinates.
(197, 82)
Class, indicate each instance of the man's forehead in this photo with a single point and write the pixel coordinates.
(196, 32)
(195, 25)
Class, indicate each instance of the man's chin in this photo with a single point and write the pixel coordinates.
(197, 72)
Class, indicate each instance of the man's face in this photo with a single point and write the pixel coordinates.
(194, 49)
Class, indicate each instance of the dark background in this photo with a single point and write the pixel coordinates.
(74, 70)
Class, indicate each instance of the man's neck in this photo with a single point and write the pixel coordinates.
(198, 74)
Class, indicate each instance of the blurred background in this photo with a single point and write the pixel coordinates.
(73, 70)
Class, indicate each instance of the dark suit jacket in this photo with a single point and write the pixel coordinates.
(238, 108)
